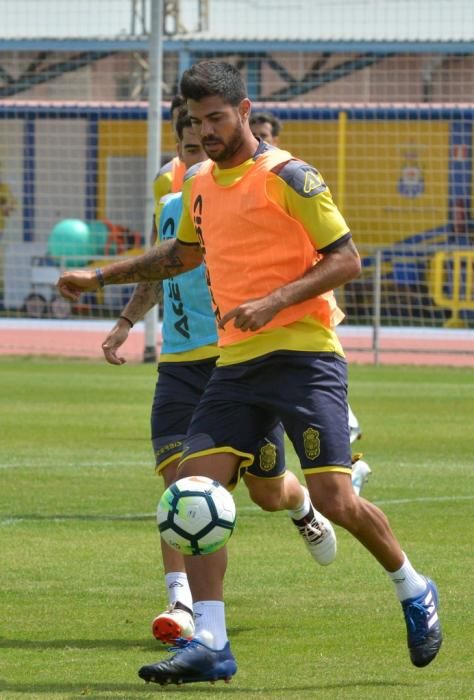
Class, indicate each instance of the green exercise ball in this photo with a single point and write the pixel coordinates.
(98, 237)
(68, 239)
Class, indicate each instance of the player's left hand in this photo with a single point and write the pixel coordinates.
(115, 339)
(251, 315)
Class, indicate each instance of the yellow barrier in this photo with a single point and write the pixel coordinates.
(460, 265)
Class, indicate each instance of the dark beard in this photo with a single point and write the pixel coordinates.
(230, 148)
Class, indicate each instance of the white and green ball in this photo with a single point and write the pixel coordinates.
(196, 515)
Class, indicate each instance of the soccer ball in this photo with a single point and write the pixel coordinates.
(196, 515)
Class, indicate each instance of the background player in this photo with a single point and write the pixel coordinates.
(170, 176)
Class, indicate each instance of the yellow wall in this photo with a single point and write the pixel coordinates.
(123, 138)
(376, 152)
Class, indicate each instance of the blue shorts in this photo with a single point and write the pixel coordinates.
(178, 391)
(306, 391)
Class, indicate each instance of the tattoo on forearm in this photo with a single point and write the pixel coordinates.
(145, 296)
(158, 264)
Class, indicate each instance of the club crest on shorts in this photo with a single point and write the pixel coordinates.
(268, 456)
(312, 444)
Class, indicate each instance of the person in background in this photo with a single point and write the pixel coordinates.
(267, 127)
(8, 204)
(170, 176)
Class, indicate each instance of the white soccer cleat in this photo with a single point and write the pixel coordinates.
(319, 536)
(173, 624)
(360, 475)
(355, 432)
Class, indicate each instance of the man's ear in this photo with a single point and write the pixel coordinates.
(244, 109)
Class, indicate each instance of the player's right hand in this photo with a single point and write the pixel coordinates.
(117, 336)
(72, 283)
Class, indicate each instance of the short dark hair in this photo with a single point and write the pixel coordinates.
(266, 117)
(177, 101)
(213, 78)
(183, 121)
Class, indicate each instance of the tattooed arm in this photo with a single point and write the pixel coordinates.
(168, 259)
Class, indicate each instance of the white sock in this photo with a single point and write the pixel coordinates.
(178, 589)
(209, 618)
(302, 510)
(408, 583)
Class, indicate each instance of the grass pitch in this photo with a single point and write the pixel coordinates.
(81, 577)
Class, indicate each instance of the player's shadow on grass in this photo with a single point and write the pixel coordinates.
(36, 517)
(87, 690)
(149, 646)
(135, 688)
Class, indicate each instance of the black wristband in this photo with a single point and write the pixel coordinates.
(127, 320)
(100, 276)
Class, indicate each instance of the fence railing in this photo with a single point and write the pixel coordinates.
(403, 292)
(451, 284)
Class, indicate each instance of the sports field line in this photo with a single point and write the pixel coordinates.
(11, 519)
(72, 465)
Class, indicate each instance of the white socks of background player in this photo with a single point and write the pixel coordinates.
(303, 510)
(209, 620)
(178, 589)
(408, 583)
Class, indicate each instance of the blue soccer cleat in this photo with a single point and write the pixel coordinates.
(423, 626)
(193, 663)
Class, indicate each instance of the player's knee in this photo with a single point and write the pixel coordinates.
(265, 497)
(269, 502)
(201, 458)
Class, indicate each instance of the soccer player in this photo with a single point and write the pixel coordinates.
(275, 246)
(266, 126)
(188, 356)
(170, 176)
(8, 204)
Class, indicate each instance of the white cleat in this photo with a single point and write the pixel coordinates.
(360, 475)
(319, 537)
(173, 624)
(355, 431)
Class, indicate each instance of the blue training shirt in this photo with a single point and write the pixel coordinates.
(188, 317)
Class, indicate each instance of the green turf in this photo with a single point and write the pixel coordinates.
(80, 570)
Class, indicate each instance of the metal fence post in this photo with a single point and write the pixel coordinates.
(377, 306)
(154, 148)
